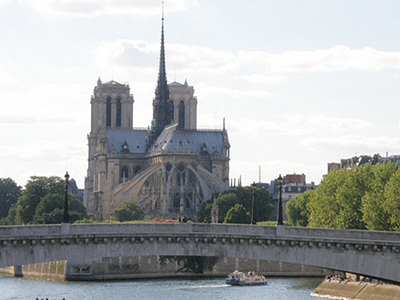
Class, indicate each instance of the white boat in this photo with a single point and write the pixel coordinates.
(240, 278)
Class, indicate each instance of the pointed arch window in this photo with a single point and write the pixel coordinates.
(118, 111)
(124, 173)
(171, 110)
(108, 112)
(181, 116)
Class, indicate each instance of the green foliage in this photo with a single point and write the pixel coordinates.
(50, 209)
(296, 209)
(9, 193)
(242, 195)
(36, 188)
(238, 215)
(85, 220)
(392, 201)
(127, 211)
(363, 197)
(375, 209)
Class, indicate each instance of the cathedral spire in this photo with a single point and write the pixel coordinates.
(162, 112)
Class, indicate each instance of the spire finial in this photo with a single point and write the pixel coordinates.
(162, 10)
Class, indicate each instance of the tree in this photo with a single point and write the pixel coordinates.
(242, 195)
(296, 209)
(36, 188)
(238, 214)
(375, 208)
(392, 201)
(127, 211)
(9, 193)
(50, 209)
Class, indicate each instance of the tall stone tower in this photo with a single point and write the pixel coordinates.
(169, 168)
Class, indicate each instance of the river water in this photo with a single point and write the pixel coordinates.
(12, 288)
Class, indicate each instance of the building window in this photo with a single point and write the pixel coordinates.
(119, 110)
(171, 110)
(108, 112)
(181, 117)
(124, 173)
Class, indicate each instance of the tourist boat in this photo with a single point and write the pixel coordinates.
(240, 278)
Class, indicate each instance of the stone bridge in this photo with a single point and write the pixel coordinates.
(369, 253)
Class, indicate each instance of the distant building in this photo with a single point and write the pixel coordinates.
(73, 189)
(347, 163)
(293, 184)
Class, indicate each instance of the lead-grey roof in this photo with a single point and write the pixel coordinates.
(135, 138)
(173, 138)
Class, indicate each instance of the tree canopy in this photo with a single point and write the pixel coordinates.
(50, 209)
(36, 188)
(42, 202)
(9, 193)
(243, 196)
(127, 211)
(238, 215)
(363, 197)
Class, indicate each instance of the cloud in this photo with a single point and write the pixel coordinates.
(258, 79)
(256, 67)
(336, 59)
(95, 8)
(354, 142)
(139, 54)
(338, 123)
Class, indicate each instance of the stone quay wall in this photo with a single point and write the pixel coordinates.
(358, 290)
(139, 267)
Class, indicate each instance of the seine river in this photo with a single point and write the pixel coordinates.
(160, 289)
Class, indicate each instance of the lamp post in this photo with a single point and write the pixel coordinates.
(66, 217)
(279, 220)
(253, 206)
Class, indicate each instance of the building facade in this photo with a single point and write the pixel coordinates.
(293, 185)
(168, 168)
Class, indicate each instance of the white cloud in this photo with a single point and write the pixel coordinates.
(356, 142)
(260, 79)
(270, 66)
(95, 8)
(336, 59)
(338, 123)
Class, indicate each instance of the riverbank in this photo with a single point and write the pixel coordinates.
(140, 267)
(359, 290)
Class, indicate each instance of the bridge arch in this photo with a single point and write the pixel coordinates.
(374, 254)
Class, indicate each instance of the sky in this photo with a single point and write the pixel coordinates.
(300, 83)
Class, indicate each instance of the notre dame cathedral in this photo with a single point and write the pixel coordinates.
(169, 168)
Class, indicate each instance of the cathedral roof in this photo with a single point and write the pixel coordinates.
(134, 138)
(175, 83)
(112, 82)
(174, 138)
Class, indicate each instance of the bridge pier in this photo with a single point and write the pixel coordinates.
(18, 271)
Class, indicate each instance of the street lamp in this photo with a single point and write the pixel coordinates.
(279, 220)
(66, 217)
(253, 207)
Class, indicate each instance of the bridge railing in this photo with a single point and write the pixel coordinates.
(194, 228)
(140, 228)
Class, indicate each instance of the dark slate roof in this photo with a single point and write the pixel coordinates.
(173, 138)
(135, 138)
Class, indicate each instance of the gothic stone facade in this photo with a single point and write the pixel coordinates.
(168, 177)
